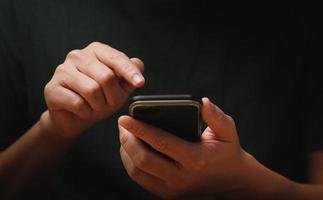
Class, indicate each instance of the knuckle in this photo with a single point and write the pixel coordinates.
(60, 69)
(48, 89)
(142, 160)
(106, 77)
(78, 104)
(120, 59)
(142, 67)
(220, 116)
(92, 90)
(139, 63)
(134, 173)
(229, 118)
(95, 44)
(74, 54)
(118, 55)
(121, 54)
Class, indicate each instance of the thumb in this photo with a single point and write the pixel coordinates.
(222, 125)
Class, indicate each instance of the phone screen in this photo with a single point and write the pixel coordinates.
(180, 120)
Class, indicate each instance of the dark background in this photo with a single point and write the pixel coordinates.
(261, 63)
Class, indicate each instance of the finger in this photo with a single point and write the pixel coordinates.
(89, 89)
(170, 145)
(107, 80)
(139, 64)
(60, 98)
(221, 124)
(145, 159)
(127, 86)
(119, 62)
(149, 182)
(92, 67)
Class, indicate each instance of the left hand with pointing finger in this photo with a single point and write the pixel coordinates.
(215, 165)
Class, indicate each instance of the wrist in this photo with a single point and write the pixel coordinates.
(48, 128)
(259, 182)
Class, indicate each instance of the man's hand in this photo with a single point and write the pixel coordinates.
(214, 166)
(90, 85)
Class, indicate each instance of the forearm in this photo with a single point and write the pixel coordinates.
(263, 183)
(32, 158)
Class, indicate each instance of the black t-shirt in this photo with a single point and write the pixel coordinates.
(262, 66)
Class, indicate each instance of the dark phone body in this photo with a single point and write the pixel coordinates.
(176, 114)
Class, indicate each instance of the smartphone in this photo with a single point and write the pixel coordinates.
(176, 114)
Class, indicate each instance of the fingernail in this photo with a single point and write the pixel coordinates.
(205, 99)
(138, 79)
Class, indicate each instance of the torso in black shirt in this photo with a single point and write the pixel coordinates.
(260, 66)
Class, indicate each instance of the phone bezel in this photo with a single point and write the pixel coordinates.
(160, 103)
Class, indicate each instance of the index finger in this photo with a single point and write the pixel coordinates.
(118, 62)
(166, 143)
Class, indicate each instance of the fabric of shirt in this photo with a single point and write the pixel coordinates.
(261, 66)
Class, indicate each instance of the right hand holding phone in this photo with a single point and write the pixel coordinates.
(90, 85)
(215, 165)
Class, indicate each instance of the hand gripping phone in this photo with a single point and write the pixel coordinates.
(176, 114)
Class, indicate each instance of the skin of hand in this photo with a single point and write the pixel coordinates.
(192, 167)
(217, 165)
(90, 85)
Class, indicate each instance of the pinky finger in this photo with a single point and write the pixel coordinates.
(60, 98)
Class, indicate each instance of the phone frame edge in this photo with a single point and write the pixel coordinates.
(194, 103)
